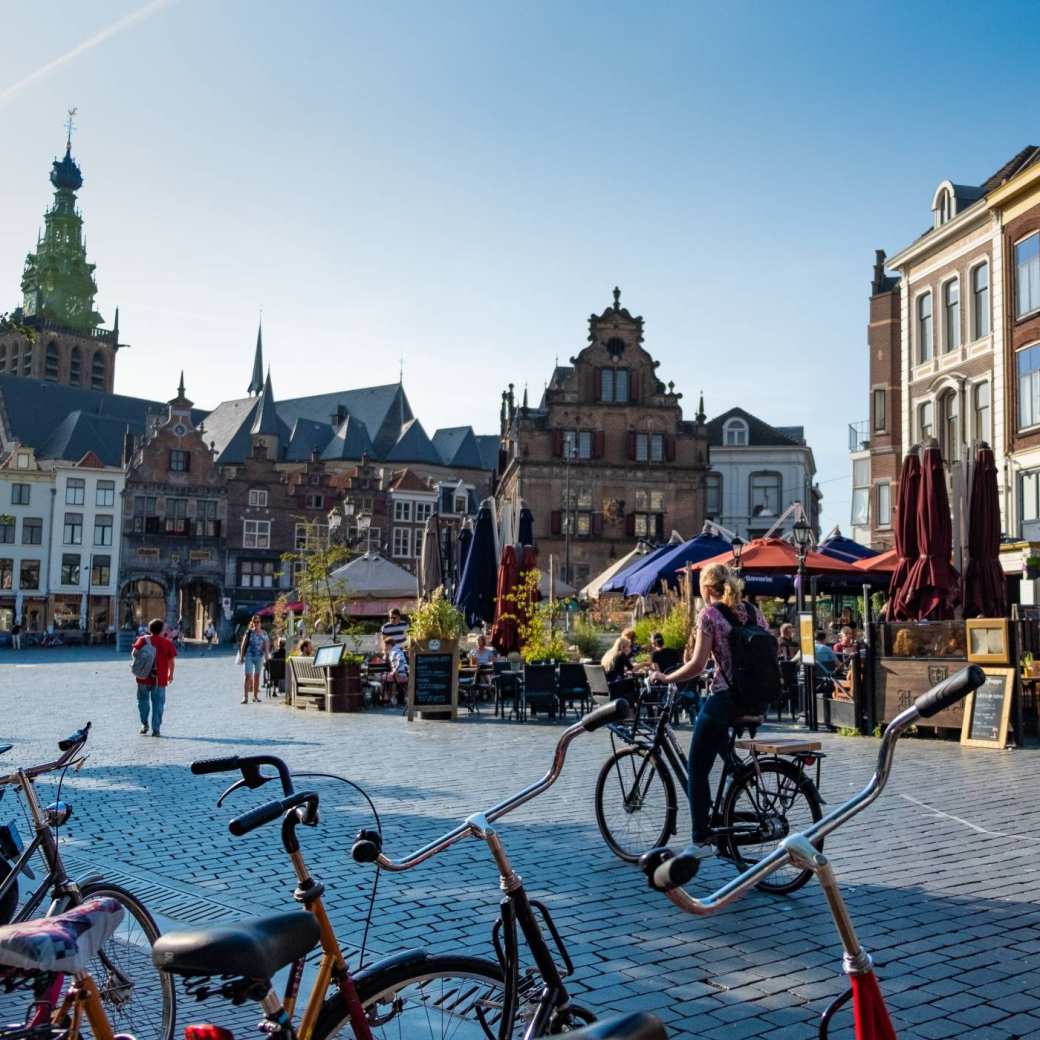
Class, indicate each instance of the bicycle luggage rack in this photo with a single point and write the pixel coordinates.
(804, 752)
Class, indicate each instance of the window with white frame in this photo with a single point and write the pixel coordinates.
(982, 413)
(925, 421)
(402, 510)
(613, 384)
(860, 492)
(256, 574)
(924, 327)
(1028, 365)
(315, 501)
(103, 529)
(713, 495)
(649, 447)
(7, 530)
(75, 490)
(310, 537)
(256, 534)
(884, 504)
(105, 493)
(880, 403)
(73, 533)
(1029, 496)
(461, 504)
(951, 315)
(1027, 275)
(765, 494)
(423, 511)
(258, 498)
(980, 301)
(20, 494)
(735, 433)
(949, 431)
(401, 545)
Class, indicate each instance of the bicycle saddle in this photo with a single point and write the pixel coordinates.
(254, 949)
(4, 748)
(65, 943)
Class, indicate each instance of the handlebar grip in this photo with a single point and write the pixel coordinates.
(214, 765)
(665, 870)
(74, 738)
(367, 846)
(950, 691)
(257, 817)
(615, 711)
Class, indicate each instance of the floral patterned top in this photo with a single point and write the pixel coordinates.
(713, 626)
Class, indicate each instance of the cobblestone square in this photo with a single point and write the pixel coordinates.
(941, 873)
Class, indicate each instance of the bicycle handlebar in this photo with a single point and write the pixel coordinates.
(270, 811)
(68, 747)
(368, 846)
(74, 739)
(249, 766)
(668, 871)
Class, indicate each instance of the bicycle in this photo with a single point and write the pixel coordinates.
(668, 872)
(760, 799)
(407, 993)
(122, 965)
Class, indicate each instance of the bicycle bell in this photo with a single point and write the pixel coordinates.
(57, 813)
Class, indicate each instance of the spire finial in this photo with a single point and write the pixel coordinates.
(180, 385)
(256, 383)
(617, 298)
(400, 371)
(69, 127)
(701, 416)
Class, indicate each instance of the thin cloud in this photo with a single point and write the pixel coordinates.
(153, 7)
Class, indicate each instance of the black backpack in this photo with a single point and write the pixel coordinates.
(755, 654)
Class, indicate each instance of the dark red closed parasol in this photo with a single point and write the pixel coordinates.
(906, 534)
(505, 637)
(985, 590)
(933, 585)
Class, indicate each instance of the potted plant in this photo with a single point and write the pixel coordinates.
(1033, 567)
(438, 620)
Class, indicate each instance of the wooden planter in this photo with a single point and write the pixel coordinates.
(345, 687)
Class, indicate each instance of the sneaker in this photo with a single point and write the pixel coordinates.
(144, 729)
(156, 733)
(700, 850)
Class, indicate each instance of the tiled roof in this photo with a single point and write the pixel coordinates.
(457, 446)
(760, 434)
(488, 444)
(228, 425)
(413, 446)
(307, 436)
(350, 441)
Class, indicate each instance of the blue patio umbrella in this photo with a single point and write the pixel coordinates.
(845, 549)
(475, 596)
(648, 576)
(617, 583)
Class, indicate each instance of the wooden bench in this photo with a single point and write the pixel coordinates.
(779, 747)
(308, 686)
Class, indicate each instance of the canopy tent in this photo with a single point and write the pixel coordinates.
(294, 608)
(560, 588)
(373, 577)
(617, 582)
(883, 563)
(845, 549)
(592, 590)
(648, 576)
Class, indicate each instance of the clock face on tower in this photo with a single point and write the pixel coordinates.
(180, 430)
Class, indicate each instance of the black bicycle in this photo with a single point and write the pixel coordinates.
(762, 796)
(137, 998)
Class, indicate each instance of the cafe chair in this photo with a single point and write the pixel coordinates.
(274, 676)
(596, 678)
(539, 693)
(573, 689)
(506, 684)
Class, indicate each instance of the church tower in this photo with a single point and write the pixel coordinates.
(71, 345)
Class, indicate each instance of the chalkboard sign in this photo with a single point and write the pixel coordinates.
(433, 682)
(986, 711)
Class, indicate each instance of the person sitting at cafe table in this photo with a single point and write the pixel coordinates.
(663, 658)
(396, 681)
(826, 659)
(617, 661)
(847, 643)
(484, 656)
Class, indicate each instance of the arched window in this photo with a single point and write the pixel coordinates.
(949, 418)
(952, 314)
(97, 372)
(50, 368)
(75, 366)
(735, 433)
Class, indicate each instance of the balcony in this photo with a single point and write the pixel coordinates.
(859, 436)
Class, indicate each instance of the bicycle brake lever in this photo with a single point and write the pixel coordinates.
(78, 764)
(259, 781)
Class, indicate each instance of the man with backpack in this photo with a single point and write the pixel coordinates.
(152, 659)
(746, 681)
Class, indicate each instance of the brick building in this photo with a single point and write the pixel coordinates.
(606, 457)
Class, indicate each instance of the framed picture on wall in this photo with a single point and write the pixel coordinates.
(988, 640)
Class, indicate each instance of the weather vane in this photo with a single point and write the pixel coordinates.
(70, 126)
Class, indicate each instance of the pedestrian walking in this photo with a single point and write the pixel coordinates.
(16, 634)
(210, 635)
(152, 661)
(254, 649)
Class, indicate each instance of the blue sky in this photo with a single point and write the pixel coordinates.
(461, 184)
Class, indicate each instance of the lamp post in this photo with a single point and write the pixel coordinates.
(803, 535)
(569, 447)
(737, 547)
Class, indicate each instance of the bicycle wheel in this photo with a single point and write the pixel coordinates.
(635, 802)
(139, 999)
(436, 997)
(761, 810)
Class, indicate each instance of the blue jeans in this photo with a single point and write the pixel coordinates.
(709, 741)
(153, 697)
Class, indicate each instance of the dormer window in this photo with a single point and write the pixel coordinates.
(944, 205)
(735, 433)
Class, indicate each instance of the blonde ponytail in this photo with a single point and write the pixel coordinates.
(723, 583)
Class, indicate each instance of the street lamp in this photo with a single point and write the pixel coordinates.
(737, 547)
(803, 535)
(569, 451)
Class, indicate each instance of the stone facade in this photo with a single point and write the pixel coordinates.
(606, 458)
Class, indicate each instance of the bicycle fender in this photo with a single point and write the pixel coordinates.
(394, 960)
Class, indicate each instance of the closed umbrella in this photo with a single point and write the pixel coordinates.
(985, 591)
(475, 596)
(905, 531)
(932, 585)
(505, 635)
(525, 528)
(462, 550)
(431, 576)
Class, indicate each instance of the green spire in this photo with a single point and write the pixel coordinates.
(58, 283)
(256, 384)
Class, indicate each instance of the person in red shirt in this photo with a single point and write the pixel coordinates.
(151, 692)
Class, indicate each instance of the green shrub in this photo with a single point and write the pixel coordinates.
(585, 636)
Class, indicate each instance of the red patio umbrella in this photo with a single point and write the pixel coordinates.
(932, 586)
(775, 556)
(294, 608)
(505, 637)
(883, 563)
(905, 531)
(985, 591)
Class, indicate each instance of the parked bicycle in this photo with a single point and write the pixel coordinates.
(763, 795)
(668, 872)
(138, 998)
(409, 994)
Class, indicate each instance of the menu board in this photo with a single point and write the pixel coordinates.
(987, 710)
(433, 681)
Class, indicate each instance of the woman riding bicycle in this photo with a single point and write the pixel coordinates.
(719, 585)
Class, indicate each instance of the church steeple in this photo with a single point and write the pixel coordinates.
(57, 282)
(256, 384)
